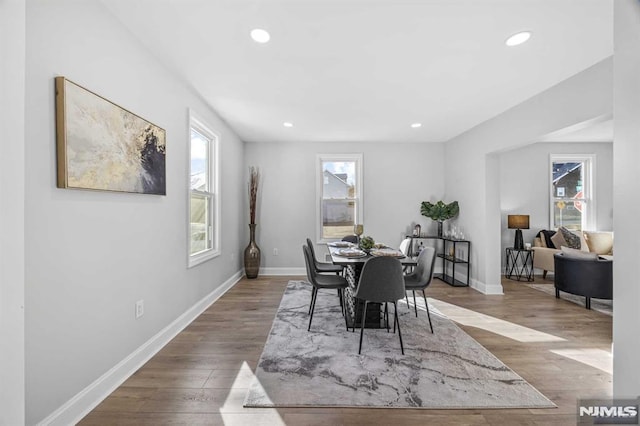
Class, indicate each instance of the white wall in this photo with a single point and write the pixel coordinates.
(583, 97)
(397, 178)
(91, 255)
(626, 152)
(524, 185)
(12, 170)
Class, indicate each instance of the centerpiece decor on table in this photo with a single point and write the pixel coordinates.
(252, 252)
(366, 243)
(439, 212)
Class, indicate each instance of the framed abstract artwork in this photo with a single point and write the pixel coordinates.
(102, 146)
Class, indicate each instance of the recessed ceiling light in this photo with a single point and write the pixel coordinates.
(287, 124)
(259, 35)
(416, 125)
(518, 38)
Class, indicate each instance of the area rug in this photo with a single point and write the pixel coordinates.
(321, 368)
(601, 305)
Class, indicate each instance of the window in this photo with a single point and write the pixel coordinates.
(572, 193)
(204, 196)
(339, 195)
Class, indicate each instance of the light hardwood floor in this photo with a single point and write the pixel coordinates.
(200, 378)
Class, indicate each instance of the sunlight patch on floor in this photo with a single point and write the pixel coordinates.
(596, 358)
(494, 325)
(232, 411)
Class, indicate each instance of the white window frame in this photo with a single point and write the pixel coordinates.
(359, 199)
(589, 191)
(200, 125)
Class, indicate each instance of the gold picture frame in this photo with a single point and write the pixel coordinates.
(104, 147)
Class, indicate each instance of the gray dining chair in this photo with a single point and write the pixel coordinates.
(405, 247)
(319, 282)
(351, 239)
(381, 281)
(323, 267)
(421, 277)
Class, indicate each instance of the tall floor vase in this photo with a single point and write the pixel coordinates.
(252, 254)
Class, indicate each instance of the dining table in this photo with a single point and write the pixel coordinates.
(353, 260)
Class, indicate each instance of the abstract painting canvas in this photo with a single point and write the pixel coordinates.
(101, 146)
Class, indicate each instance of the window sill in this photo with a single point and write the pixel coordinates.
(203, 256)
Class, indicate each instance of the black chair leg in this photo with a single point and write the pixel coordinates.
(395, 320)
(313, 306)
(344, 310)
(427, 305)
(313, 293)
(415, 305)
(364, 314)
(386, 315)
(407, 298)
(557, 294)
(355, 314)
(588, 302)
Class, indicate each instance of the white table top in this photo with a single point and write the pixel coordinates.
(341, 260)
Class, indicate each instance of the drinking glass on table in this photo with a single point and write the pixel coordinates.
(358, 229)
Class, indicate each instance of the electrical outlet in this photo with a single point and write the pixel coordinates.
(275, 251)
(139, 308)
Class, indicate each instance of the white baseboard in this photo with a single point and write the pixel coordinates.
(473, 283)
(479, 285)
(484, 288)
(283, 271)
(88, 398)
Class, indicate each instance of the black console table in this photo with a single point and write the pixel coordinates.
(450, 257)
(519, 264)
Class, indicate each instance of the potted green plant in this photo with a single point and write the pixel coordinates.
(439, 212)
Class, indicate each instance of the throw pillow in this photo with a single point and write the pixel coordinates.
(558, 240)
(599, 242)
(570, 253)
(573, 241)
(545, 238)
(583, 242)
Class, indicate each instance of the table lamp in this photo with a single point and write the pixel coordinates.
(518, 222)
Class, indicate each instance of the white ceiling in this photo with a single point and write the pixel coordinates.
(364, 70)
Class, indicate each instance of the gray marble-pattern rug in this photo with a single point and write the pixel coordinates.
(322, 368)
(601, 305)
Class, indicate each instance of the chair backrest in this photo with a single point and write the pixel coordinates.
(404, 246)
(381, 280)
(351, 238)
(308, 260)
(423, 272)
(313, 250)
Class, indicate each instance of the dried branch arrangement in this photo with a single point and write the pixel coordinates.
(254, 179)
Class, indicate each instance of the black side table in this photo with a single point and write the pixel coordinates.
(519, 264)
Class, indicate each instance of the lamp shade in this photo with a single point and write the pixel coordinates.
(518, 221)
